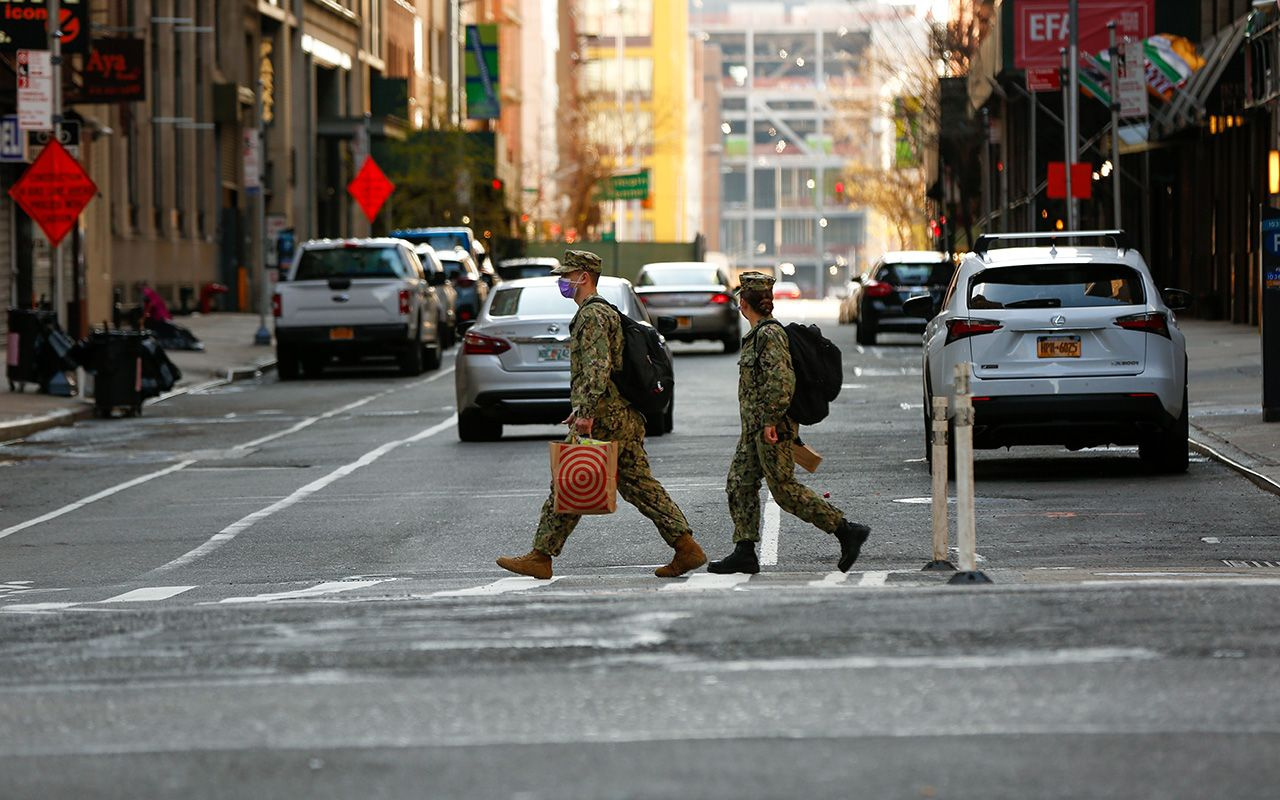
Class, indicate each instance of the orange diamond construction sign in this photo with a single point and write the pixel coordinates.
(53, 191)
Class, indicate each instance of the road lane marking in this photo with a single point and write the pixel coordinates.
(93, 498)
(105, 493)
(772, 528)
(1007, 660)
(830, 580)
(705, 581)
(328, 587)
(874, 578)
(37, 606)
(501, 586)
(244, 523)
(309, 421)
(148, 594)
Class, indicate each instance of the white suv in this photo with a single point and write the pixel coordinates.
(1069, 345)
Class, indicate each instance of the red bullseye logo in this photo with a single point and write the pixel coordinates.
(582, 481)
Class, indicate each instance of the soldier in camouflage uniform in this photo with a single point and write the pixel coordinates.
(599, 411)
(766, 382)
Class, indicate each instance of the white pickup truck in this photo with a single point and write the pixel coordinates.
(350, 298)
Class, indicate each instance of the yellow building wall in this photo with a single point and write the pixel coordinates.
(670, 75)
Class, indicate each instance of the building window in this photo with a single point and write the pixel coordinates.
(733, 188)
(798, 187)
(766, 193)
(764, 238)
(611, 18)
(601, 76)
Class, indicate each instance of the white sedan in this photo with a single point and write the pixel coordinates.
(1073, 346)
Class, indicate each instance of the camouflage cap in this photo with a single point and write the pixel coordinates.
(755, 281)
(575, 260)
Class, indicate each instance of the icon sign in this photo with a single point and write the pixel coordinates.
(53, 191)
(370, 188)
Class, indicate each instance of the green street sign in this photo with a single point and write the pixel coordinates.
(631, 186)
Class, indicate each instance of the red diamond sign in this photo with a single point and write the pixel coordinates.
(370, 188)
(53, 191)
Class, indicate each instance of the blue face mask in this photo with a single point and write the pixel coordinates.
(567, 287)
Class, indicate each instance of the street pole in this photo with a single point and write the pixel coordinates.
(1115, 125)
(1066, 139)
(1073, 121)
(619, 55)
(1031, 161)
(55, 58)
(987, 200)
(263, 336)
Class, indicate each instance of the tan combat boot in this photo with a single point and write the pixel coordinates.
(688, 556)
(536, 565)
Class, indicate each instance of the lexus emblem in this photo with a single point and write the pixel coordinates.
(1058, 321)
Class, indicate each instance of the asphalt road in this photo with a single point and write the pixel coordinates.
(287, 589)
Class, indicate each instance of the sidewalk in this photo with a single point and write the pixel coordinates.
(229, 355)
(1225, 392)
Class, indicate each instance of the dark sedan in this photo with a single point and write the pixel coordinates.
(876, 297)
(698, 295)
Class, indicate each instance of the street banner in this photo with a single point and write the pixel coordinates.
(1167, 63)
(481, 67)
(23, 25)
(1041, 27)
(35, 90)
(11, 149)
(114, 72)
(1270, 249)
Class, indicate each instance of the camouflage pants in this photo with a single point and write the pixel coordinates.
(755, 458)
(637, 486)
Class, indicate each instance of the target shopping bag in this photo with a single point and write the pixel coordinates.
(584, 476)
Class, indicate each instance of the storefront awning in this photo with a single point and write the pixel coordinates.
(1187, 107)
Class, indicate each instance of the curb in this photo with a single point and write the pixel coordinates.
(1253, 476)
(11, 431)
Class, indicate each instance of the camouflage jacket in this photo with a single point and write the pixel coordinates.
(595, 353)
(766, 380)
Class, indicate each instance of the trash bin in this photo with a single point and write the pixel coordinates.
(116, 362)
(27, 327)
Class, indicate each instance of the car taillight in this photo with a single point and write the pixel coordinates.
(958, 329)
(878, 289)
(476, 344)
(275, 305)
(404, 302)
(1151, 322)
(464, 281)
(719, 299)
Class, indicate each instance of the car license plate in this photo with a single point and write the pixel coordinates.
(684, 323)
(1058, 347)
(552, 353)
(341, 334)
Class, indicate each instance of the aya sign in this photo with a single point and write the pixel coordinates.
(1042, 27)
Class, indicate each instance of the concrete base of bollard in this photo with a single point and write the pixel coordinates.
(969, 578)
(938, 566)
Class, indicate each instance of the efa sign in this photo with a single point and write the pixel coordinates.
(1042, 27)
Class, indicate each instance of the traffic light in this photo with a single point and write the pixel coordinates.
(839, 191)
(497, 185)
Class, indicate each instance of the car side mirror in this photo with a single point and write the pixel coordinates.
(920, 306)
(666, 325)
(1177, 299)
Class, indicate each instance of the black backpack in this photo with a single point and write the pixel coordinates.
(819, 372)
(646, 379)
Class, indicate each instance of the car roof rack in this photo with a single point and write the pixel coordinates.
(1118, 237)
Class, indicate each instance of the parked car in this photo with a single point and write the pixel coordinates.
(463, 273)
(445, 292)
(698, 295)
(875, 299)
(513, 366)
(353, 298)
(1069, 345)
(510, 269)
(787, 290)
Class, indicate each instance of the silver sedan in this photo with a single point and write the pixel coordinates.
(513, 366)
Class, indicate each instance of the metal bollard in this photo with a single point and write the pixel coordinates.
(938, 441)
(966, 522)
